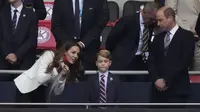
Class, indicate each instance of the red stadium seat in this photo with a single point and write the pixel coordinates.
(195, 79)
(49, 9)
(46, 39)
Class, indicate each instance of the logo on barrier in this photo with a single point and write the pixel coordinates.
(49, 9)
(44, 34)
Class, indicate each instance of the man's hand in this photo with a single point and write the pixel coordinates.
(161, 85)
(81, 44)
(12, 58)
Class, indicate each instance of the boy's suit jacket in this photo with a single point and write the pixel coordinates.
(111, 90)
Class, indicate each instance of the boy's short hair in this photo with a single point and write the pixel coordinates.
(104, 53)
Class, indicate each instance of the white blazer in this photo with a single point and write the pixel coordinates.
(36, 76)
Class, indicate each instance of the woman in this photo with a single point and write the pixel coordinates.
(59, 67)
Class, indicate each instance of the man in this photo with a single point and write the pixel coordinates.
(171, 55)
(18, 38)
(187, 12)
(129, 40)
(81, 21)
(36, 5)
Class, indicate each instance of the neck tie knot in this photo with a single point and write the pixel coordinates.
(15, 11)
(167, 38)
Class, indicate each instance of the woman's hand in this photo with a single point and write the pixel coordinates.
(65, 69)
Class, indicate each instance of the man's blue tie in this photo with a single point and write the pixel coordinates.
(14, 21)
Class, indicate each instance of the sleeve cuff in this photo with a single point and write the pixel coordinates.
(82, 44)
(55, 72)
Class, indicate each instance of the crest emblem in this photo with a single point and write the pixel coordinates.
(49, 9)
(44, 34)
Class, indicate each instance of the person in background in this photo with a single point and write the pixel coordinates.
(56, 67)
(171, 55)
(129, 41)
(103, 86)
(37, 6)
(187, 12)
(18, 38)
(82, 21)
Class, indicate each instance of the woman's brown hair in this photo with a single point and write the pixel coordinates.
(75, 69)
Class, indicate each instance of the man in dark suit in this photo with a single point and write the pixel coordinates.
(171, 55)
(103, 87)
(2, 2)
(129, 41)
(18, 38)
(82, 21)
(36, 5)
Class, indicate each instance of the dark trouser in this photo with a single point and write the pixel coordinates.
(163, 97)
(36, 96)
(137, 64)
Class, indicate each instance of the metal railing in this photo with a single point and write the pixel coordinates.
(90, 72)
(101, 104)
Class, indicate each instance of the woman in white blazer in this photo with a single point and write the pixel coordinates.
(59, 67)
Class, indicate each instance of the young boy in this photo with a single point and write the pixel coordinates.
(103, 86)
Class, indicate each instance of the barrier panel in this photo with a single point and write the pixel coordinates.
(95, 110)
(129, 92)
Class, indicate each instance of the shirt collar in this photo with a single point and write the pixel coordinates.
(173, 30)
(141, 19)
(19, 9)
(106, 74)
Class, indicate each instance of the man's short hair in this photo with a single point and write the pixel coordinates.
(151, 7)
(104, 53)
(169, 12)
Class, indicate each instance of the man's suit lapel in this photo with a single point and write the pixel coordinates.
(137, 26)
(84, 11)
(69, 7)
(173, 41)
(8, 19)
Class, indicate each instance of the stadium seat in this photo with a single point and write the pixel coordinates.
(46, 39)
(49, 9)
(113, 11)
(105, 34)
(113, 17)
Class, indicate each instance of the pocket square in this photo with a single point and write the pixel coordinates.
(90, 8)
